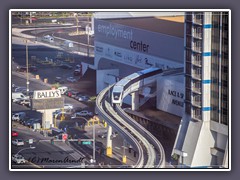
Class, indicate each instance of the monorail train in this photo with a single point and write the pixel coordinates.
(126, 82)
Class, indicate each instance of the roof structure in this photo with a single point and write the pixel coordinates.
(173, 26)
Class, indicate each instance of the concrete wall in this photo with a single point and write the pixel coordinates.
(202, 155)
(105, 77)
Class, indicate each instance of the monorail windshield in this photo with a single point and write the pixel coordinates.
(116, 95)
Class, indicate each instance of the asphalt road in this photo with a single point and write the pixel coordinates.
(45, 154)
(19, 79)
(86, 133)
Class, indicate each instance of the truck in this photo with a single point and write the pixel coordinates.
(18, 95)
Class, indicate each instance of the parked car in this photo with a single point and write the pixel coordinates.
(66, 115)
(83, 98)
(59, 80)
(77, 72)
(25, 102)
(78, 66)
(14, 134)
(28, 122)
(19, 159)
(71, 79)
(68, 106)
(74, 94)
(18, 142)
(18, 116)
(66, 66)
(67, 92)
(83, 113)
(63, 89)
(23, 120)
(17, 100)
(20, 95)
(78, 95)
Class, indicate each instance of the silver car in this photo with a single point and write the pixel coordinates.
(19, 159)
(18, 142)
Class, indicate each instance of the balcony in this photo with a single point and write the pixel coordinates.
(198, 21)
(197, 104)
(197, 35)
(197, 63)
(197, 49)
(196, 76)
(197, 90)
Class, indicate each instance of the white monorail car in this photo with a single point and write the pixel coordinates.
(123, 86)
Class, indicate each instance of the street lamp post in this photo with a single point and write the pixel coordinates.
(87, 31)
(27, 67)
(76, 16)
(94, 158)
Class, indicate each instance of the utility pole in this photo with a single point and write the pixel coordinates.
(94, 158)
(87, 27)
(27, 67)
(76, 16)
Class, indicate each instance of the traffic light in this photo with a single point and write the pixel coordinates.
(130, 149)
(52, 141)
(134, 153)
(79, 141)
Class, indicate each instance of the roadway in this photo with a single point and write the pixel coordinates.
(45, 155)
(19, 79)
(73, 130)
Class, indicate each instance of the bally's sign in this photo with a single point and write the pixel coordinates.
(46, 94)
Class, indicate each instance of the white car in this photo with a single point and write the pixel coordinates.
(25, 102)
(19, 159)
(83, 113)
(71, 79)
(68, 106)
(18, 116)
(18, 142)
(17, 100)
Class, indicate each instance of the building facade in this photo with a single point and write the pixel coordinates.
(202, 138)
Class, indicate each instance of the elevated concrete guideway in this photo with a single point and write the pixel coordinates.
(133, 84)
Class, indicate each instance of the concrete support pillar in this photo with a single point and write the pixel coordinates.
(135, 101)
(47, 118)
(109, 142)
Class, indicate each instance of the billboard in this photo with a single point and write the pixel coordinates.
(49, 103)
(170, 95)
(141, 40)
(47, 94)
